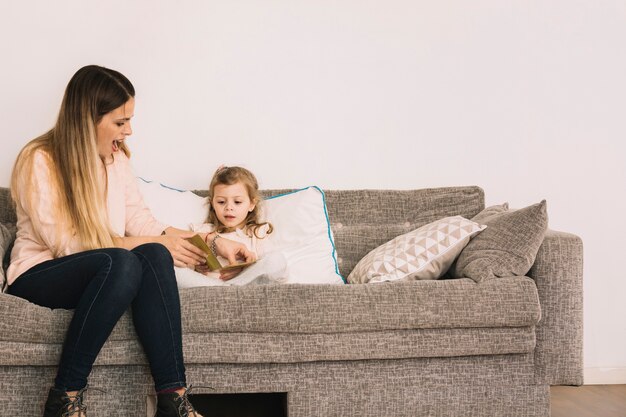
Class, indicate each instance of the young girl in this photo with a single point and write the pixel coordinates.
(234, 214)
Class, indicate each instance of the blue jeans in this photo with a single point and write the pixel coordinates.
(100, 285)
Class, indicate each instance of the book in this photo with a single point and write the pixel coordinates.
(211, 261)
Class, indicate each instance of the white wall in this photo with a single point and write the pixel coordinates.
(524, 98)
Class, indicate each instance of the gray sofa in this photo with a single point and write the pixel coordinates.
(449, 347)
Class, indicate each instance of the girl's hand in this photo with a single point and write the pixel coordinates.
(233, 251)
(184, 253)
(230, 274)
(224, 275)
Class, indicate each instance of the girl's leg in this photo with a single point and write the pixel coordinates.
(156, 315)
(100, 285)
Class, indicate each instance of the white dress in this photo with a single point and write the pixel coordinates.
(270, 267)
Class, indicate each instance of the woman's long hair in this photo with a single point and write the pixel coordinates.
(230, 176)
(76, 169)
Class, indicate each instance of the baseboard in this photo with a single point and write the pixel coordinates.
(602, 376)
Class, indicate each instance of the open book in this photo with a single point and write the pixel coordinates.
(211, 260)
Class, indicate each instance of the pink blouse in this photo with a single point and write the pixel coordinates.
(37, 232)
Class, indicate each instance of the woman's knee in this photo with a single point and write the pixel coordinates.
(158, 264)
(125, 268)
(156, 254)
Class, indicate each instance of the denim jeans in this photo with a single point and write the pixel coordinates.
(100, 285)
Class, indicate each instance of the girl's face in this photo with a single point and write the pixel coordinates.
(113, 128)
(232, 204)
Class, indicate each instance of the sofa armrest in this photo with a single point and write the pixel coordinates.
(558, 273)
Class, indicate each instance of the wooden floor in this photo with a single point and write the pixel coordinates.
(589, 401)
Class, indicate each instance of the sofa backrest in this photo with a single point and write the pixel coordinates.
(361, 220)
(7, 211)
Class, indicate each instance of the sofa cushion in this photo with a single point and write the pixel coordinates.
(350, 308)
(424, 253)
(308, 309)
(507, 247)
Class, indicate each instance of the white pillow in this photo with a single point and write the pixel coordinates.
(302, 233)
(173, 207)
(301, 227)
(424, 253)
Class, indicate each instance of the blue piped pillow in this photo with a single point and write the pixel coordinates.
(302, 233)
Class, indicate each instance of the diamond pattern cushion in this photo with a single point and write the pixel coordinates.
(424, 253)
(507, 248)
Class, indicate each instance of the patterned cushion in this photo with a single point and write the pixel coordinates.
(507, 247)
(425, 253)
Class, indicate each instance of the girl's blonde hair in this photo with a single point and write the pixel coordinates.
(234, 175)
(76, 169)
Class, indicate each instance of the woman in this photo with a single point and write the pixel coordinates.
(86, 241)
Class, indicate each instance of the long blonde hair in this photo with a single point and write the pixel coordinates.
(76, 169)
(230, 176)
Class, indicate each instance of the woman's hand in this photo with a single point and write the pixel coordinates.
(185, 254)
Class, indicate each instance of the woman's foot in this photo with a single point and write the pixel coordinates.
(65, 404)
(175, 404)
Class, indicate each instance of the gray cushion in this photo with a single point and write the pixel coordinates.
(507, 247)
(490, 211)
(311, 309)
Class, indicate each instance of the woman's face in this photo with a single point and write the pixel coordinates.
(113, 129)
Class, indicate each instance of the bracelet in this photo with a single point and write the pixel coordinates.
(213, 245)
